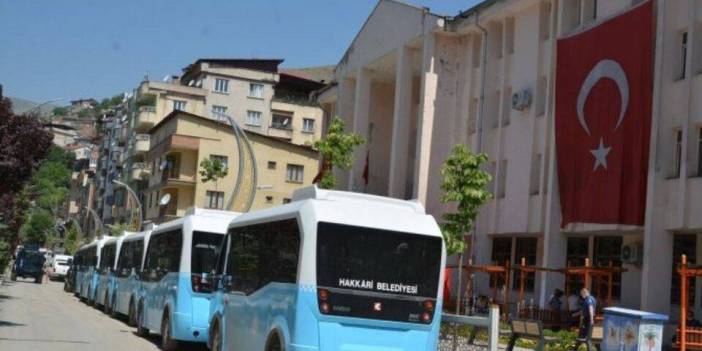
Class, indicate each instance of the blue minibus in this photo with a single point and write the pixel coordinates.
(175, 283)
(103, 273)
(124, 291)
(86, 277)
(331, 270)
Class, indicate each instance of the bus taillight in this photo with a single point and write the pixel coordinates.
(324, 307)
(426, 317)
(323, 294)
(429, 305)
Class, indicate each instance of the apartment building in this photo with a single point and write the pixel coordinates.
(182, 140)
(251, 91)
(416, 83)
(258, 97)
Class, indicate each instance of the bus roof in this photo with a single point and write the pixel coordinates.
(350, 209)
(201, 220)
(131, 236)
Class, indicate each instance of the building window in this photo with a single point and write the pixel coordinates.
(501, 253)
(525, 248)
(502, 180)
(677, 157)
(294, 173)
(253, 118)
(683, 55)
(535, 181)
(683, 244)
(699, 153)
(269, 199)
(576, 253)
(308, 125)
(219, 112)
(281, 121)
(179, 105)
(223, 160)
(607, 250)
(214, 199)
(221, 85)
(271, 164)
(256, 90)
(286, 200)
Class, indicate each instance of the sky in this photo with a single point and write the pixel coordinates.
(73, 49)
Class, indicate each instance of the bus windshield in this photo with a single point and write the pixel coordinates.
(204, 251)
(395, 273)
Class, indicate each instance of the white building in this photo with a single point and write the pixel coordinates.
(415, 83)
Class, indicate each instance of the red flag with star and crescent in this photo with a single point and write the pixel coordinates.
(604, 88)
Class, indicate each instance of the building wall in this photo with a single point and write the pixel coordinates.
(300, 112)
(519, 49)
(210, 138)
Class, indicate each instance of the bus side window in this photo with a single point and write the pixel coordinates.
(263, 253)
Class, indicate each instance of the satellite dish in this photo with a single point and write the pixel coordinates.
(191, 83)
(286, 122)
(162, 166)
(199, 83)
(166, 78)
(165, 199)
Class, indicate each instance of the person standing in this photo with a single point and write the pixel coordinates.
(587, 319)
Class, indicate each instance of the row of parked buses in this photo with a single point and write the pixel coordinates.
(329, 271)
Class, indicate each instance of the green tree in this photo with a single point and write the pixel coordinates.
(74, 238)
(147, 99)
(212, 170)
(336, 150)
(59, 111)
(463, 184)
(39, 226)
(119, 228)
(84, 113)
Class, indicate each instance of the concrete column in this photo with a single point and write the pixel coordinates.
(425, 123)
(656, 272)
(360, 126)
(344, 110)
(401, 124)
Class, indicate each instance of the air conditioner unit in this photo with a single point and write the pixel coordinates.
(632, 253)
(521, 100)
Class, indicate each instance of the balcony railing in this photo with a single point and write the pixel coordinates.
(140, 171)
(142, 143)
(146, 118)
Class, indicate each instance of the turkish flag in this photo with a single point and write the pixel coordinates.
(604, 88)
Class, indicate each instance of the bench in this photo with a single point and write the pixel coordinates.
(693, 338)
(594, 337)
(529, 329)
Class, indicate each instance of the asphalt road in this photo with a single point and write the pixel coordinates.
(43, 317)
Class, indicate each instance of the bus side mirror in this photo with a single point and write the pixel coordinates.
(228, 282)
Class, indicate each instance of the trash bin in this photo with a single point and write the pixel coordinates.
(632, 330)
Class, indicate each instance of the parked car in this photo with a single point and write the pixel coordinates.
(29, 264)
(60, 266)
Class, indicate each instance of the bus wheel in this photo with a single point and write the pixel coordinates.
(131, 314)
(215, 337)
(167, 341)
(141, 330)
(274, 343)
(105, 304)
(113, 307)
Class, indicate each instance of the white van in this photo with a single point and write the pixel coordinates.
(60, 266)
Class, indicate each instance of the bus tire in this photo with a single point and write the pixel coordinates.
(131, 314)
(167, 341)
(105, 304)
(113, 307)
(214, 343)
(274, 343)
(141, 330)
(37, 280)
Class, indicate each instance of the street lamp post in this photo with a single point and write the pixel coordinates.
(96, 220)
(136, 198)
(242, 143)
